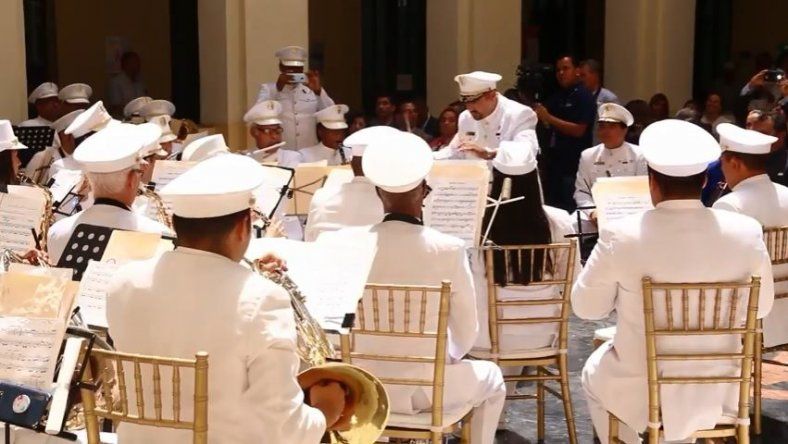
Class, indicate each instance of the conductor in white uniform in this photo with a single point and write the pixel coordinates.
(331, 131)
(614, 157)
(355, 203)
(199, 297)
(670, 243)
(45, 99)
(265, 127)
(408, 253)
(301, 95)
(489, 119)
(112, 162)
(745, 156)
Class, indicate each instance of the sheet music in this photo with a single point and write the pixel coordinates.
(92, 296)
(331, 273)
(64, 181)
(456, 204)
(29, 349)
(618, 197)
(164, 171)
(268, 194)
(18, 216)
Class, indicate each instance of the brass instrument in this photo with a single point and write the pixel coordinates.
(155, 199)
(47, 219)
(371, 407)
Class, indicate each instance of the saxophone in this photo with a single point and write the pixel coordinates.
(369, 416)
(155, 199)
(47, 219)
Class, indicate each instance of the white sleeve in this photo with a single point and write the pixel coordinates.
(766, 295)
(524, 131)
(595, 290)
(265, 93)
(463, 319)
(323, 100)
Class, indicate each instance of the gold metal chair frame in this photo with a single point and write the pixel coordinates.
(720, 327)
(375, 327)
(558, 361)
(776, 240)
(111, 366)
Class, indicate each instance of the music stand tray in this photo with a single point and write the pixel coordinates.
(35, 138)
(86, 243)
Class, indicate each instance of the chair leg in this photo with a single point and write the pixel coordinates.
(756, 384)
(540, 395)
(612, 429)
(465, 432)
(653, 435)
(743, 434)
(437, 437)
(566, 397)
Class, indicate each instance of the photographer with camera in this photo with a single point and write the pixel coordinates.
(301, 95)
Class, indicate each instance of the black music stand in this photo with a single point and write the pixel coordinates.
(36, 138)
(285, 191)
(86, 243)
(586, 241)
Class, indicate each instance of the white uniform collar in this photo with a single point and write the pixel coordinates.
(196, 252)
(360, 179)
(680, 204)
(760, 178)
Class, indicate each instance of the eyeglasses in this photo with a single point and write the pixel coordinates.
(269, 131)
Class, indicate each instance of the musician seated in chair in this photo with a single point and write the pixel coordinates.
(331, 130)
(670, 243)
(265, 127)
(409, 253)
(111, 160)
(524, 222)
(199, 297)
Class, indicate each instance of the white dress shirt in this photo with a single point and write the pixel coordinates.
(191, 300)
(678, 241)
(598, 161)
(299, 104)
(320, 152)
(355, 203)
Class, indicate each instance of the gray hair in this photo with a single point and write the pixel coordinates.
(109, 184)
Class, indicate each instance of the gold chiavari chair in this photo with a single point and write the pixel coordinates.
(722, 301)
(550, 362)
(776, 240)
(113, 365)
(412, 315)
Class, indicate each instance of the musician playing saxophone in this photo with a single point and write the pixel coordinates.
(199, 297)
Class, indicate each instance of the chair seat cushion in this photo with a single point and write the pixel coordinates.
(515, 354)
(423, 421)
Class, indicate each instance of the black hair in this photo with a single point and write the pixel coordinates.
(678, 186)
(520, 223)
(569, 56)
(753, 162)
(207, 227)
(7, 175)
(593, 65)
(127, 56)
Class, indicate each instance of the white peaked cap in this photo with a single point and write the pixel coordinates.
(477, 82)
(134, 107)
(333, 117)
(150, 133)
(157, 108)
(205, 148)
(264, 113)
(359, 140)
(76, 93)
(216, 187)
(398, 163)
(94, 118)
(166, 131)
(8, 140)
(514, 160)
(64, 122)
(613, 112)
(291, 56)
(678, 148)
(740, 140)
(43, 91)
(112, 149)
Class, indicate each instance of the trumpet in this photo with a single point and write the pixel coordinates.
(155, 199)
(367, 396)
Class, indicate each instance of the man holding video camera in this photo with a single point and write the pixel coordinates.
(301, 96)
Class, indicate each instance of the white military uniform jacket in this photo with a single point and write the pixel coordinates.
(671, 243)
(320, 152)
(598, 161)
(39, 168)
(191, 300)
(282, 157)
(102, 215)
(510, 121)
(38, 121)
(519, 338)
(416, 255)
(355, 203)
(766, 202)
(299, 104)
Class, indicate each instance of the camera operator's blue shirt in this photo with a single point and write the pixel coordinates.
(577, 105)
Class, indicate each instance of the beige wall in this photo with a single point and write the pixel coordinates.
(336, 26)
(13, 77)
(649, 48)
(82, 26)
(470, 35)
(238, 39)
